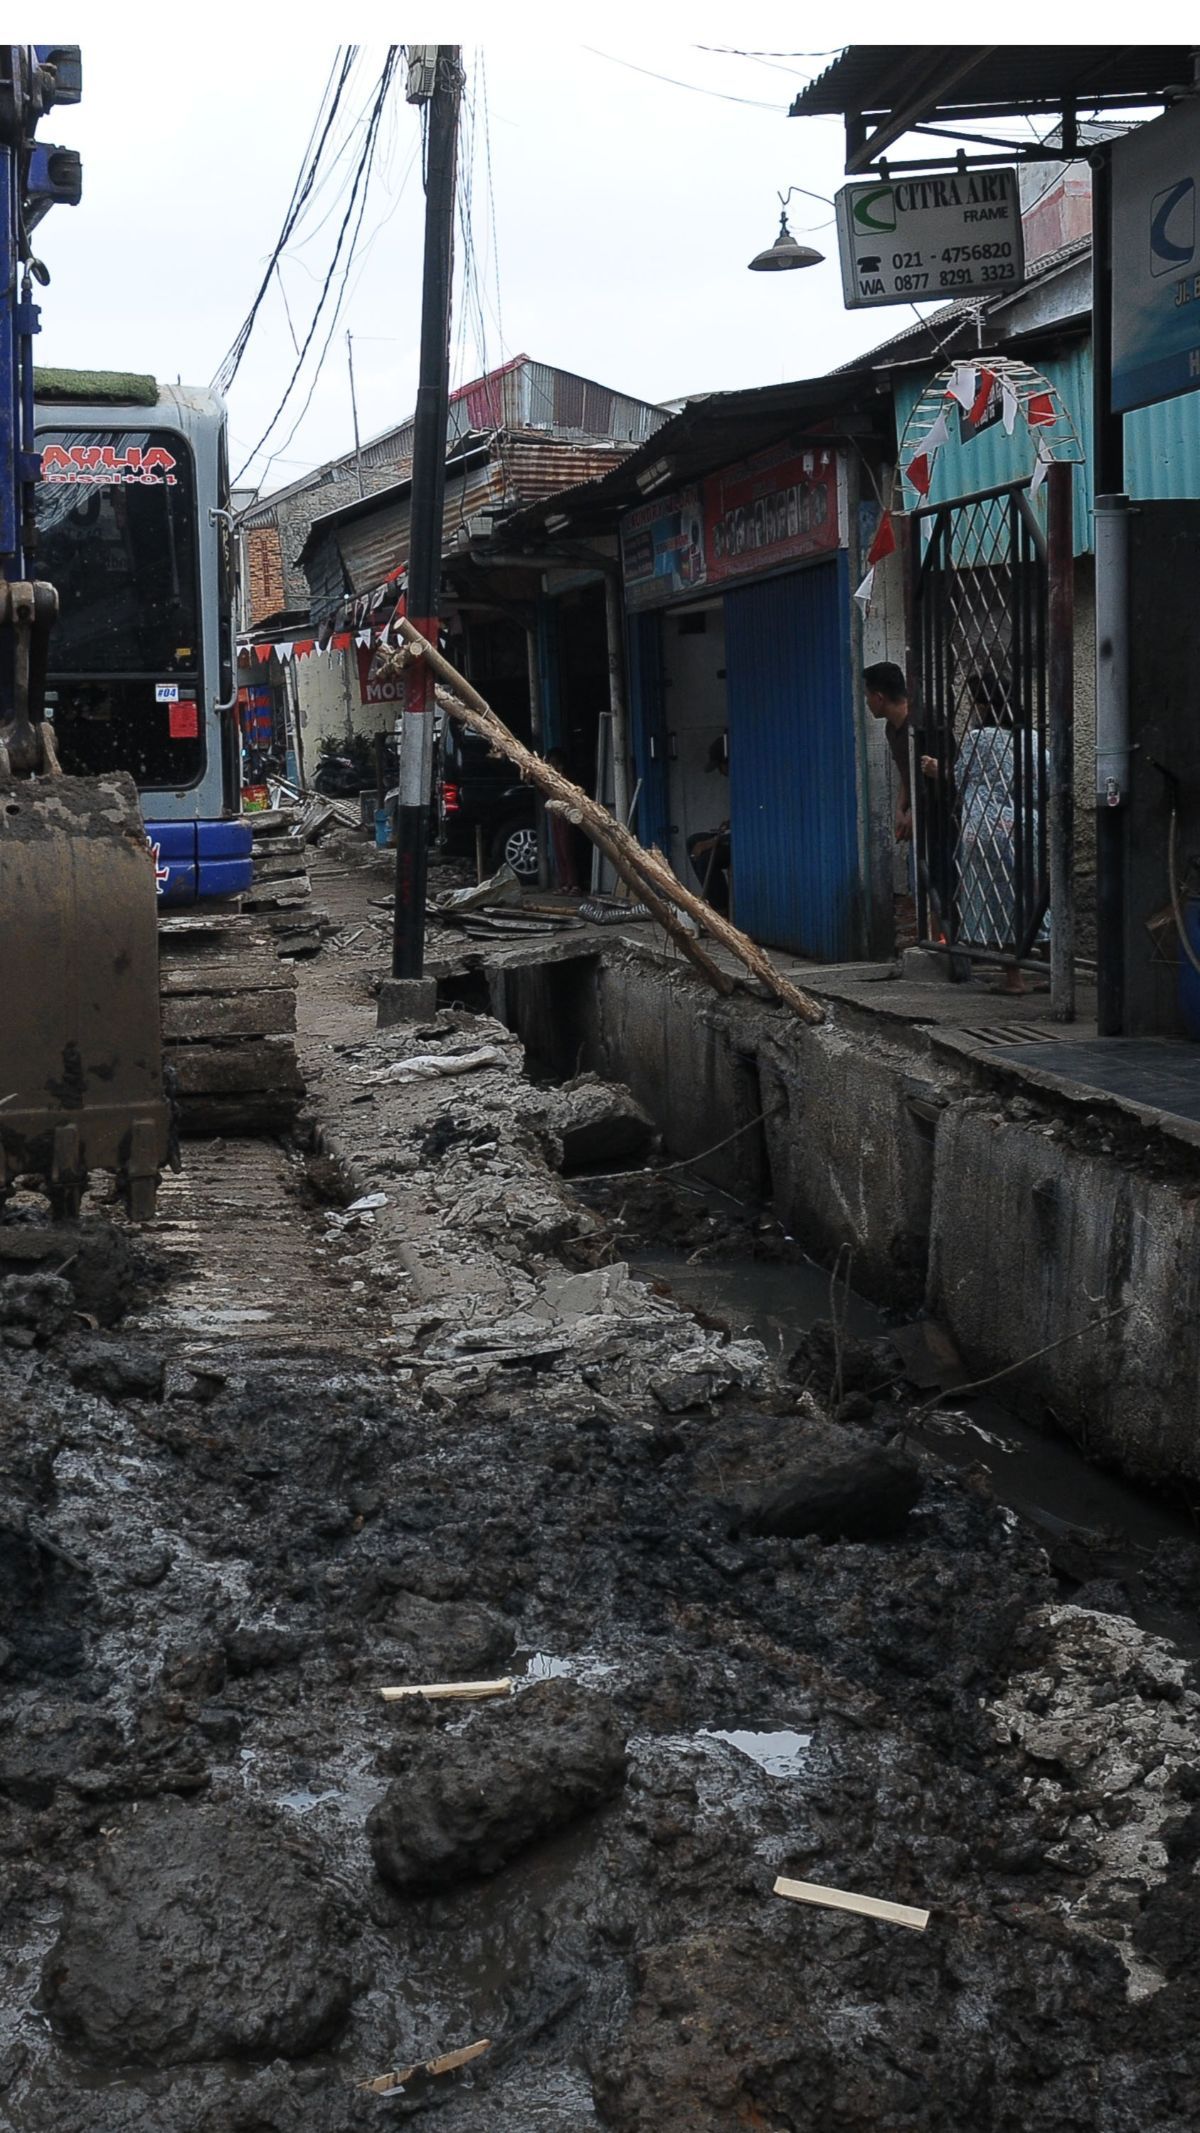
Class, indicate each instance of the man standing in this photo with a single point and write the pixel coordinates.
(887, 698)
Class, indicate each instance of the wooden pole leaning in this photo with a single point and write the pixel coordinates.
(648, 869)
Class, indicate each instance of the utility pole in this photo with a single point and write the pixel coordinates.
(435, 79)
(354, 411)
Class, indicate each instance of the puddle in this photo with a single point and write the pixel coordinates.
(302, 1801)
(782, 1755)
(776, 1304)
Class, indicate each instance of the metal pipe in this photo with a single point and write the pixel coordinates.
(1061, 722)
(1112, 757)
(614, 623)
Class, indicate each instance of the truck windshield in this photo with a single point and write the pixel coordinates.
(117, 538)
(116, 523)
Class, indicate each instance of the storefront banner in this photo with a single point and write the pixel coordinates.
(662, 549)
(376, 688)
(779, 507)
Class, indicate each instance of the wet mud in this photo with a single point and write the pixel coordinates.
(750, 1633)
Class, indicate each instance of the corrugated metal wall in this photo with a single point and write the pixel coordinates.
(648, 728)
(1162, 445)
(792, 791)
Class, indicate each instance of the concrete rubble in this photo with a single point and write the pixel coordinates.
(747, 1639)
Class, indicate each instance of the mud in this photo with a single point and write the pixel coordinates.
(236, 1883)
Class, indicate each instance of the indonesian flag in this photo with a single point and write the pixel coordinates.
(987, 379)
(883, 544)
(1039, 409)
(920, 473)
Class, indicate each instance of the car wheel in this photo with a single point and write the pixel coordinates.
(516, 843)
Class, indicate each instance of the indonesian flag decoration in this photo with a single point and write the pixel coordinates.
(340, 643)
(863, 591)
(962, 386)
(362, 639)
(1045, 456)
(1039, 410)
(978, 409)
(883, 544)
(284, 652)
(1009, 405)
(262, 653)
(940, 433)
(920, 473)
(304, 646)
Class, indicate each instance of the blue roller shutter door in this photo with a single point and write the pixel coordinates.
(793, 806)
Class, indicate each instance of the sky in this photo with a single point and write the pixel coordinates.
(618, 181)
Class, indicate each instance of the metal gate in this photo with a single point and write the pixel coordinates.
(980, 669)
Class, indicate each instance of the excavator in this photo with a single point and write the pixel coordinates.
(119, 792)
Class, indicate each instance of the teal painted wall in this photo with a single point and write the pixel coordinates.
(1162, 444)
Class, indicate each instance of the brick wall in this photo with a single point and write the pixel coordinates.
(264, 573)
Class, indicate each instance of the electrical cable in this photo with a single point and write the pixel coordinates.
(363, 170)
(756, 103)
(228, 368)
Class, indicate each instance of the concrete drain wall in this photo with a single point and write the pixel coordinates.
(991, 1210)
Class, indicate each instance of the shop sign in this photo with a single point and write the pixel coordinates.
(376, 688)
(1156, 260)
(662, 549)
(934, 234)
(779, 507)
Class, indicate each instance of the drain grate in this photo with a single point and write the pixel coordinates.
(999, 1033)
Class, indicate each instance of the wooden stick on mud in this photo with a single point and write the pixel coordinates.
(472, 1691)
(896, 1914)
(464, 703)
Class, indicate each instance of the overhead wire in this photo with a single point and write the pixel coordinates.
(358, 193)
(332, 95)
(756, 103)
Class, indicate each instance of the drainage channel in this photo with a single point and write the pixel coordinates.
(1115, 1546)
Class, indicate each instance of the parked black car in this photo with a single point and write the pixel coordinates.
(478, 790)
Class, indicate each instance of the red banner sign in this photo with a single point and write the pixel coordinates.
(779, 507)
(377, 688)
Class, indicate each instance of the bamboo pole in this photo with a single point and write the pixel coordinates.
(719, 979)
(464, 703)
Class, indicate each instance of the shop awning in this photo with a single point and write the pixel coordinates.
(884, 91)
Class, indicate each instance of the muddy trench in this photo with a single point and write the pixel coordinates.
(434, 1396)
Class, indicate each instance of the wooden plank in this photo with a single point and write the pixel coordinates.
(244, 1014)
(449, 2063)
(267, 1063)
(285, 859)
(472, 1691)
(896, 1914)
(209, 974)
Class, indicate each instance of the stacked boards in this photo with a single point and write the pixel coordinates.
(228, 1023)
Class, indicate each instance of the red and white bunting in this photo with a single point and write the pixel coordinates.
(883, 544)
(1009, 405)
(920, 473)
(940, 433)
(284, 652)
(1039, 410)
(1045, 458)
(979, 404)
(262, 653)
(863, 592)
(962, 386)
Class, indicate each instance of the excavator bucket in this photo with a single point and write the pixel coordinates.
(81, 1080)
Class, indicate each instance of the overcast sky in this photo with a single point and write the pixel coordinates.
(626, 209)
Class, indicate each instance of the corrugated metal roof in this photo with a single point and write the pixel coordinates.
(959, 81)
